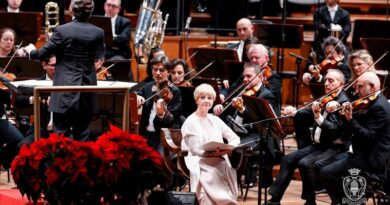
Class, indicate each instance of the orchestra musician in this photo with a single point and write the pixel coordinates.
(335, 52)
(370, 128)
(329, 138)
(153, 52)
(330, 17)
(254, 87)
(77, 45)
(7, 43)
(244, 29)
(162, 112)
(179, 67)
(14, 6)
(212, 177)
(101, 72)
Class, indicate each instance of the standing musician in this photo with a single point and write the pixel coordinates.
(370, 129)
(254, 87)
(244, 29)
(179, 68)
(76, 45)
(159, 113)
(336, 59)
(330, 137)
(328, 18)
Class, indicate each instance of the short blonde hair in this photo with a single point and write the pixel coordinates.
(204, 89)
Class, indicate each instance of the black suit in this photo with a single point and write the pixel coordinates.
(371, 147)
(244, 57)
(322, 21)
(121, 43)
(76, 46)
(171, 118)
(332, 128)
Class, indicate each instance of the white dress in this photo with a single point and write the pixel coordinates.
(212, 178)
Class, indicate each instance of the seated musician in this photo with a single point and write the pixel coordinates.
(179, 68)
(7, 43)
(162, 110)
(259, 55)
(254, 87)
(13, 6)
(25, 101)
(212, 177)
(153, 52)
(335, 51)
(329, 136)
(369, 121)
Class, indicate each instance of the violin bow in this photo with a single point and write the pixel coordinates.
(171, 83)
(12, 57)
(101, 71)
(243, 90)
(354, 81)
(339, 88)
(337, 44)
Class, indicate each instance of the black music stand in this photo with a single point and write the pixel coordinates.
(104, 23)
(27, 25)
(23, 68)
(267, 126)
(234, 70)
(121, 71)
(369, 29)
(206, 55)
(187, 97)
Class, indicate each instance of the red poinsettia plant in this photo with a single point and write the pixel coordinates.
(118, 167)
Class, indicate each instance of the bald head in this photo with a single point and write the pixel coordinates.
(370, 78)
(244, 29)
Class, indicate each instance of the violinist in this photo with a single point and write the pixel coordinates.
(335, 51)
(370, 148)
(161, 112)
(179, 68)
(240, 115)
(329, 138)
(7, 43)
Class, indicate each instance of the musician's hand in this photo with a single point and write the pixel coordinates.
(316, 108)
(289, 111)
(216, 153)
(21, 52)
(238, 103)
(140, 101)
(306, 78)
(347, 110)
(30, 47)
(222, 98)
(160, 107)
(218, 109)
(332, 106)
(226, 83)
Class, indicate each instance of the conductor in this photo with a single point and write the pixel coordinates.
(76, 44)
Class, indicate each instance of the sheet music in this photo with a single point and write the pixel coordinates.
(213, 146)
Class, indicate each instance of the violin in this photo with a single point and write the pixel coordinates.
(329, 63)
(165, 94)
(328, 98)
(185, 83)
(252, 91)
(364, 103)
(103, 74)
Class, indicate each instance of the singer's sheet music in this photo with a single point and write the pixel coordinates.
(213, 146)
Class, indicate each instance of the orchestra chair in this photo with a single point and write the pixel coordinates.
(378, 189)
(173, 156)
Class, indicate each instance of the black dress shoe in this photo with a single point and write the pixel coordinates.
(269, 202)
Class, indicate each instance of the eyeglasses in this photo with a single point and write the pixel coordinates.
(111, 5)
(51, 65)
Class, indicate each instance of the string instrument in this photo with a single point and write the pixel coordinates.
(267, 72)
(361, 103)
(165, 92)
(162, 88)
(103, 73)
(328, 98)
(329, 62)
(185, 83)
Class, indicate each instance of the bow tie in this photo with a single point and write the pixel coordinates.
(332, 9)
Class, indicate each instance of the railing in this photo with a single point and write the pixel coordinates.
(39, 90)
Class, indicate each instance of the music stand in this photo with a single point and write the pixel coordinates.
(234, 70)
(369, 29)
(104, 23)
(206, 55)
(187, 97)
(121, 70)
(27, 25)
(22, 67)
(213, 83)
(267, 126)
